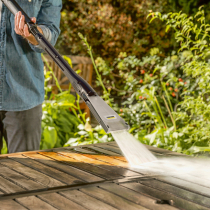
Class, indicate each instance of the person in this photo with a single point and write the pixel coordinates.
(21, 72)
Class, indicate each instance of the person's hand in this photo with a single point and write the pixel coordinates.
(21, 28)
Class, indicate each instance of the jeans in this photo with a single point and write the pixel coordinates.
(21, 129)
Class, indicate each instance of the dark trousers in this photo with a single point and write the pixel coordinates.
(21, 129)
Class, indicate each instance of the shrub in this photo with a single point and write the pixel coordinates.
(63, 122)
(166, 99)
(114, 26)
(111, 27)
(193, 35)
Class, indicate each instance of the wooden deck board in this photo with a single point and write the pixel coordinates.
(84, 163)
(107, 164)
(62, 166)
(112, 199)
(60, 202)
(178, 202)
(19, 179)
(135, 197)
(184, 184)
(34, 203)
(11, 205)
(100, 159)
(98, 177)
(9, 187)
(86, 200)
(189, 194)
(49, 171)
(31, 173)
(107, 152)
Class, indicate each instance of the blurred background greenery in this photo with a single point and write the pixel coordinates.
(154, 67)
(114, 26)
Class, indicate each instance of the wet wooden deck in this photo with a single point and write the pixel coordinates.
(97, 177)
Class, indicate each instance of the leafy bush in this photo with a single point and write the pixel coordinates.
(114, 26)
(89, 135)
(193, 35)
(63, 122)
(111, 27)
(166, 99)
(58, 123)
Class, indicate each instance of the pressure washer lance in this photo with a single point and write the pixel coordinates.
(104, 114)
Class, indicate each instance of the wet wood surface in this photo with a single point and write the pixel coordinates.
(98, 177)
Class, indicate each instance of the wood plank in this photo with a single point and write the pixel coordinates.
(62, 166)
(52, 172)
(95, 150)
(86, 166)
(135, 197)
(110, 148)
(120, 170)
(193, 179)
(107, 152)
(112, 199)
(176, 190)
(31, 173)
(11, 205)
(86, 200)
(9, 187)
(60, 202)
(178, 202)
(112, 143)
(19, 179)
(85, 151)
(52, 198)
(105, 163)
(184, 184)
(34, 203)
(102, 158)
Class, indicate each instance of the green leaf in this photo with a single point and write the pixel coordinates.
(49, 138)
(151, 137)
(168, 27)
(68, 60)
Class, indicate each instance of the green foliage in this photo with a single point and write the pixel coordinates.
(166, 99)
(63, 122)
(58, 123)
(151, 97)
(4, 148)
(88, 135)
(193, 113)
(106, 94)
(112, 26)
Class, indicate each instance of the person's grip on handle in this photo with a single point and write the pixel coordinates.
(21, 28)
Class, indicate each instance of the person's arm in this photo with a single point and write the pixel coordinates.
(49, 16)
(48, 21)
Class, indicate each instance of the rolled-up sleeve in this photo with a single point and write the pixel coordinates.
(48, 20)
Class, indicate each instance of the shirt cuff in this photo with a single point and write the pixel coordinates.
(47, 34)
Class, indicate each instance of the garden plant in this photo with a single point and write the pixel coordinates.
(163, 98)
(166, 99)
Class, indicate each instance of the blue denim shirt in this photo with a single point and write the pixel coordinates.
(21, 66)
